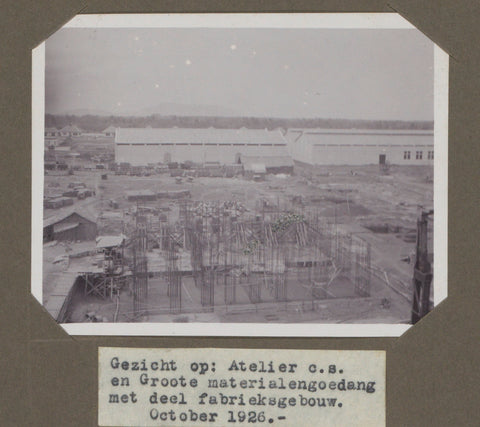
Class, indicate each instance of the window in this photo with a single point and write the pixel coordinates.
(406, 155)
(419, 155)
(430, 155)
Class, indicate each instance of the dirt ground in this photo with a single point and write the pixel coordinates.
(344, 309)
(382, 209)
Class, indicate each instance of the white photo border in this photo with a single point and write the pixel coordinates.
(241, 20)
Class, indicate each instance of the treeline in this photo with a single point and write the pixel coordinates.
(93, 123)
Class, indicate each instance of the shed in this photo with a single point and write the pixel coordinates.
(272, 164)
(52, 203)
(232, 170)
(66, 201)
(69, 227)
(76, 184)
(112, 248)
(110, 241)
(141, 195)
(173, 194)
(255, 171)
(110, 131)
(57, 202)
(257, 168)
(49, 132)
(70, 130)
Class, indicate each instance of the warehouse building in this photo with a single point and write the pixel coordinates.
(141, 146)
(69, 227)
(360, 147)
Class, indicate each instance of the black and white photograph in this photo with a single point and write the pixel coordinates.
(248, 175)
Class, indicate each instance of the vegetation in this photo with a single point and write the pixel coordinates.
(93, 123)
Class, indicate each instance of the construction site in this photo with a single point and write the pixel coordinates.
(319, 245)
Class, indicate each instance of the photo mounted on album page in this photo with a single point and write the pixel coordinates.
(239, 174)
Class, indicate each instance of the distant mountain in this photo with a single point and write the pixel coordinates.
(87, 112)
(164, 109)
(174, 109)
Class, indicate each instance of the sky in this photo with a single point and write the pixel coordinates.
(295, 73)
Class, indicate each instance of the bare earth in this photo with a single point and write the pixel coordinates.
(382, 209)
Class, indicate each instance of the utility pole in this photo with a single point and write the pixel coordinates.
(422, 273)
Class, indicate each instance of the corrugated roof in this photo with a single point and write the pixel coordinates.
(63, 215)
(70, 128)
(323, 131)
(57, 228)
(110, 129)
(315, 136)
(110, 241)
(210, 135)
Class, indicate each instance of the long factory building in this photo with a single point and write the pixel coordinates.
(141, 146)
(361, 146)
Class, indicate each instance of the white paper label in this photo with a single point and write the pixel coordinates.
(235, 387)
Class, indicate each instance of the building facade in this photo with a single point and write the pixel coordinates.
(360, 147)
(71, 227)
(71, 131)
(52, 137)
(109, 132)
(141, 146)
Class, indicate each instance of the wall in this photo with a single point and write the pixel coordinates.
(48, 234)
(70, 235)
(341, 155)
(86, 230)
(362, 149)
(140, 154)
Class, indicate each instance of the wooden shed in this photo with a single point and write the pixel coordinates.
(110, 131)
(141, 195)
(69, 227)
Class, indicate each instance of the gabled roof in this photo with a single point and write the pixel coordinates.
(210, 135)
(64, 215)
(354, 131)
(110, 241)
(64, 227)
(312, 136)
(70, 128)
(110, 129)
